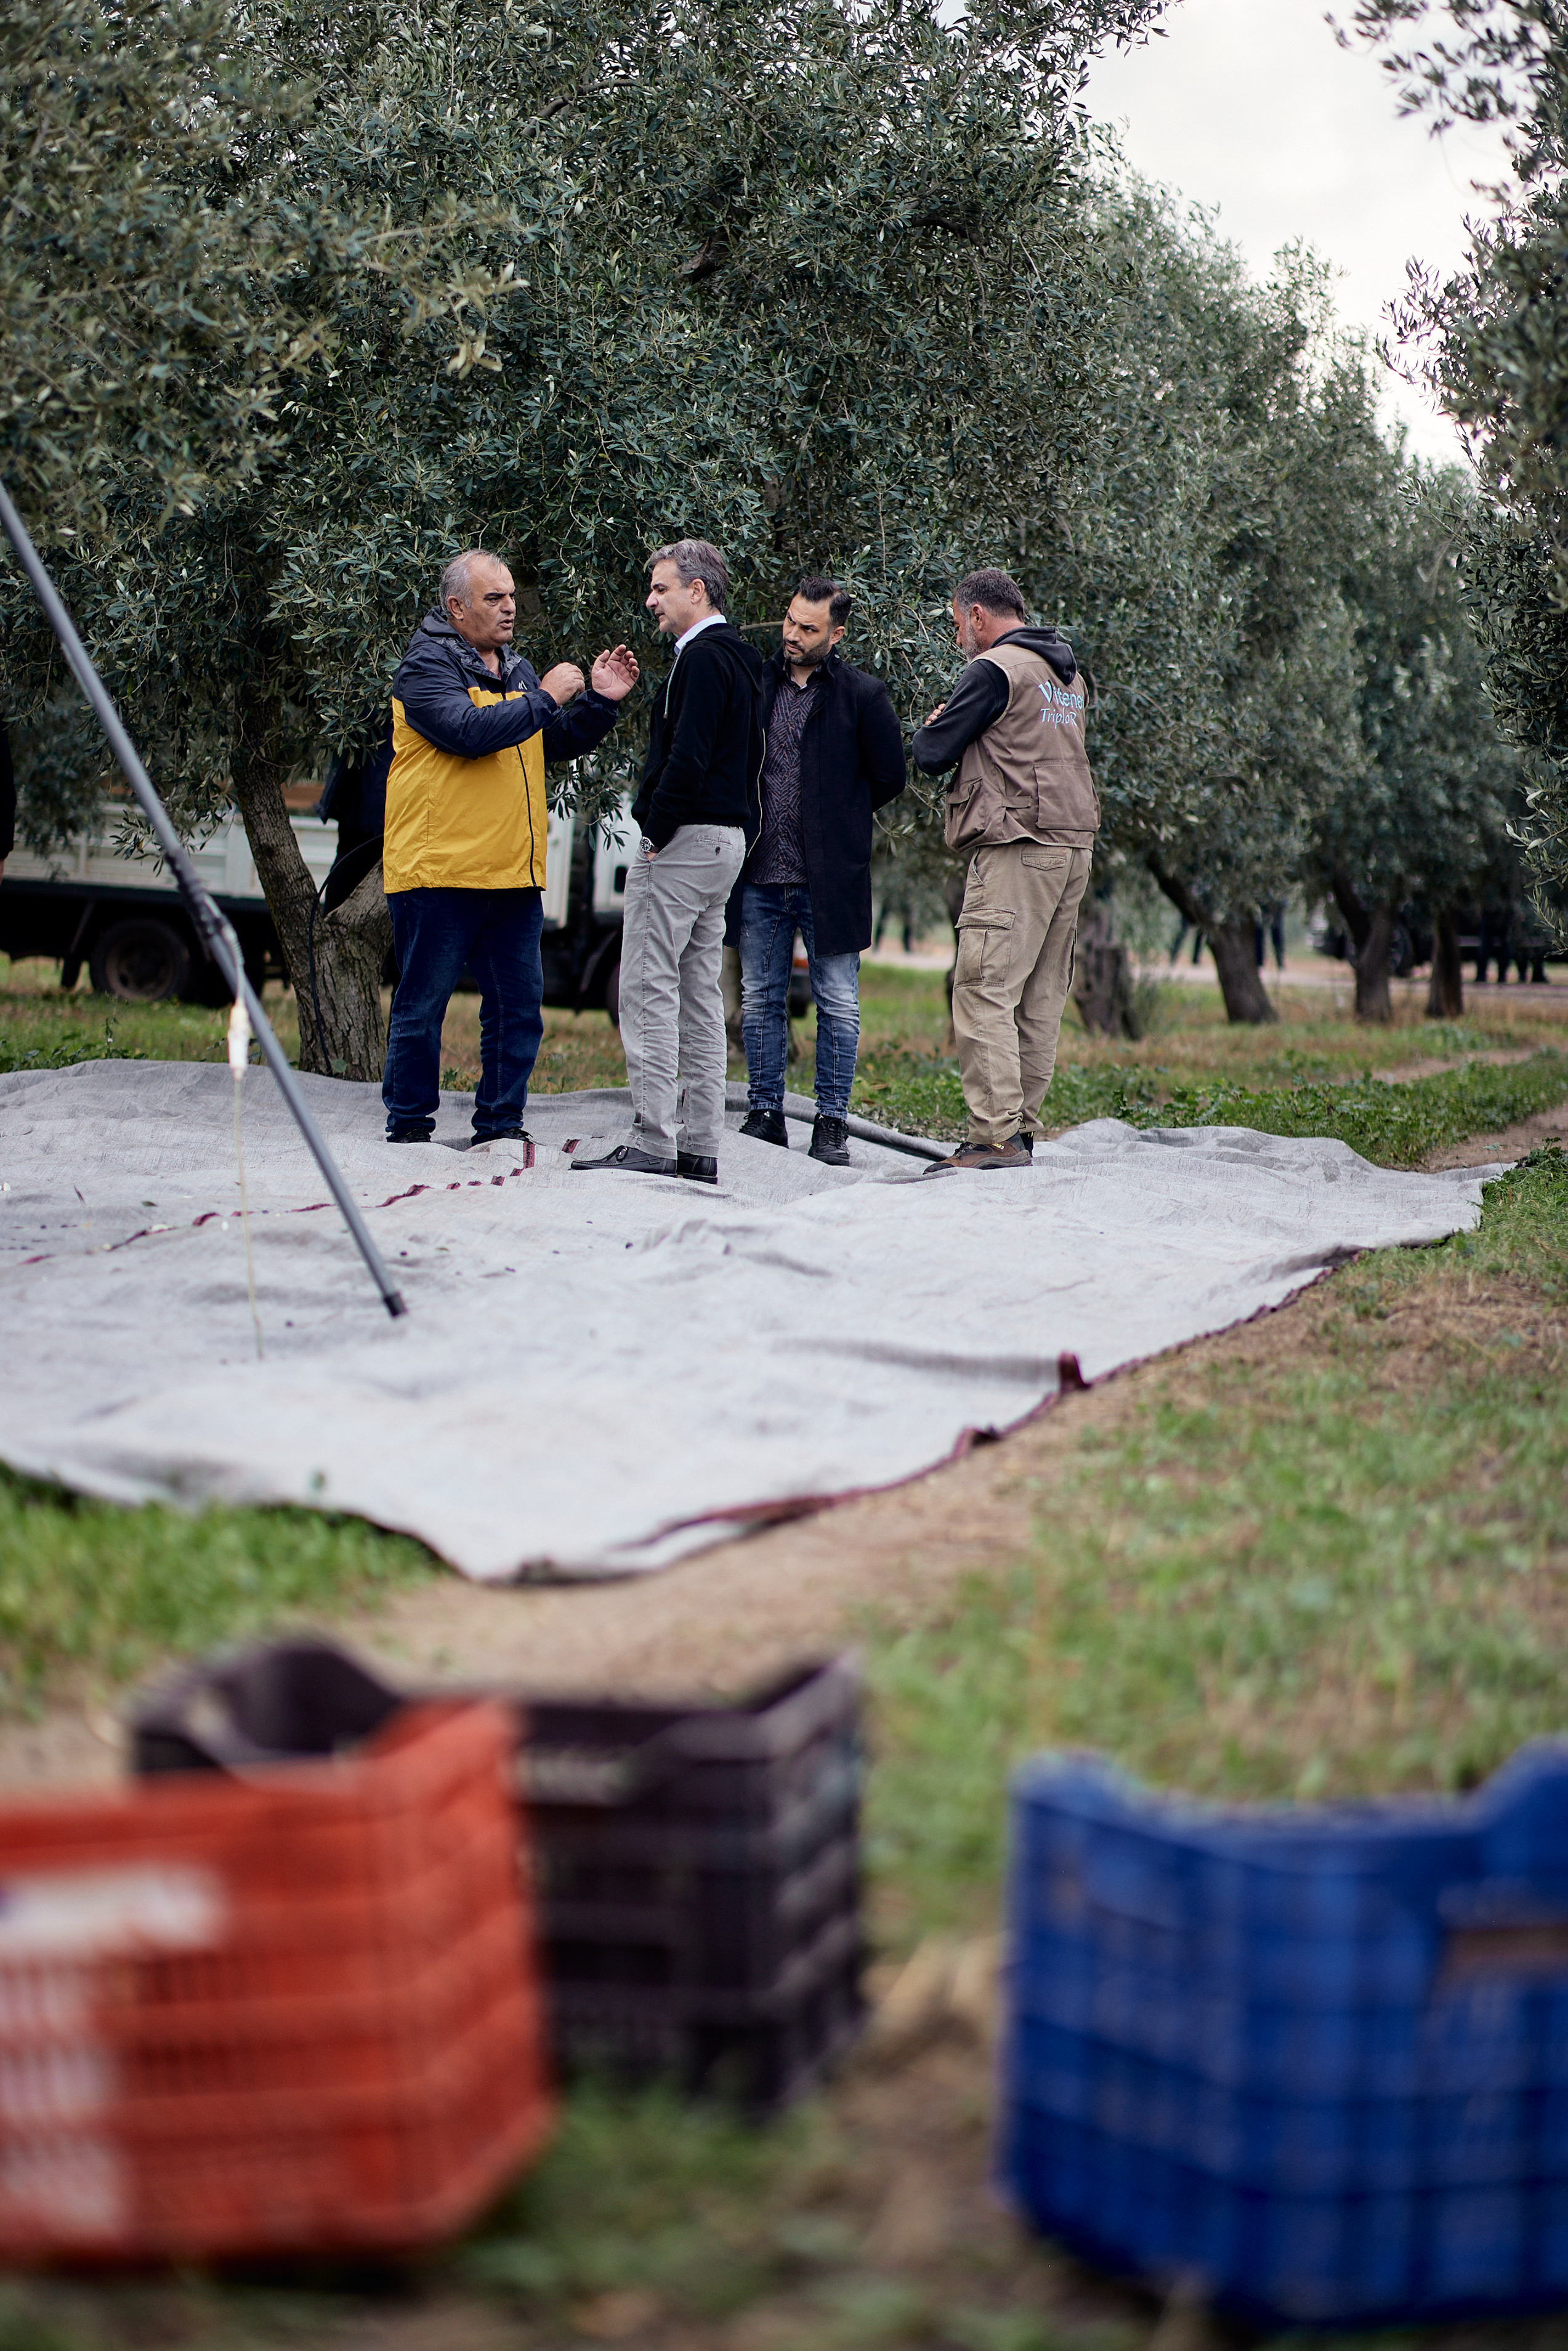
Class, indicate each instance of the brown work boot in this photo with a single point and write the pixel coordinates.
(1017, 1151)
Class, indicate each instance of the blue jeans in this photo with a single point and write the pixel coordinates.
(436, 934)
(770, 914)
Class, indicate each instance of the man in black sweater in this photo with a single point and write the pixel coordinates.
(699, 809)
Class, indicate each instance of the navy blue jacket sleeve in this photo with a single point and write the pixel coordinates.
(881, 745)
(583, 722)
(980, 697)
(444, 715)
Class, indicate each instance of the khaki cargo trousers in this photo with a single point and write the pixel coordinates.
(1011, 980)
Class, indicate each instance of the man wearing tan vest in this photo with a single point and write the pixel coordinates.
(1023, 800)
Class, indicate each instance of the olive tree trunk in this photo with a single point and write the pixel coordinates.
(1235, 952)
(1102, 978)
(1371, 932)
(334, 960)
(1445, 990)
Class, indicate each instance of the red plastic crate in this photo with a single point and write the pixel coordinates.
(293, 2011)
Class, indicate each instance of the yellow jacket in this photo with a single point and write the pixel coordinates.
(465, 795)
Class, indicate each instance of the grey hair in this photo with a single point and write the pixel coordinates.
(697, 558)
(455, 579)
(994, 591)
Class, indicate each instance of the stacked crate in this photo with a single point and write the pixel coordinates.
(298, 2013)
(696, 1868)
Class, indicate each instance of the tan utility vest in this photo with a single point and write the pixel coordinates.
(1026, 776)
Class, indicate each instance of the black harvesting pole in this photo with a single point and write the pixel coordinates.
(212, 925)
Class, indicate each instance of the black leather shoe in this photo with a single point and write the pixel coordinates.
(627, 1160)
(410, 1134)
(696, 1167)
(767, 1126)
(830, 1142)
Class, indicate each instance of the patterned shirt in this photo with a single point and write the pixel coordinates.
(780, 857)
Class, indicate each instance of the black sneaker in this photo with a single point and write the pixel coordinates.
(696, 1167)
(410, 1133)
(503, 1134)
(627, 1160)
(830, 1142)
(767, 1126)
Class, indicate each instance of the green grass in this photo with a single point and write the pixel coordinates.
(91, 1593)
(1336, 1573)
(647, 2192)
(1396, 1124)
(63, 1050)
(1334, 1567)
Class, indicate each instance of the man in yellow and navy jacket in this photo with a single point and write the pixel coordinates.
(464, 862)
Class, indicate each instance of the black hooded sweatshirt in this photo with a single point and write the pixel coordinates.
(705, 749)
(980, 696)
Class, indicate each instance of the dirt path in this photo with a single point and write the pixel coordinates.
(731, 1615)
(1514, 1142)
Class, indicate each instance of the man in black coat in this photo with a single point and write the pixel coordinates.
(835, 755)
(697, 810)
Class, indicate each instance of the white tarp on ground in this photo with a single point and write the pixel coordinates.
(598, 1371)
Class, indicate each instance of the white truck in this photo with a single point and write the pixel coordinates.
(123, 918)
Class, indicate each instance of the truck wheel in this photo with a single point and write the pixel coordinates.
(612, 995)
(141, 962)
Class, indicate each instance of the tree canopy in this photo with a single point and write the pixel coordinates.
(846, 287)
(762, 275)
(1493, 342)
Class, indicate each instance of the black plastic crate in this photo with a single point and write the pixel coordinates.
(696, 1867)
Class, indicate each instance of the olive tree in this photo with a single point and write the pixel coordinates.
(1195, 546)
(751, 272)
(1493, 341)
(1428, 813)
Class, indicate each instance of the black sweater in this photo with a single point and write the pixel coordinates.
(705, 749)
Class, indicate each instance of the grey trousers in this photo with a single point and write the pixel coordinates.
(671, 1005)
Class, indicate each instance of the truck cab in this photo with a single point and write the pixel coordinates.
(122, 917)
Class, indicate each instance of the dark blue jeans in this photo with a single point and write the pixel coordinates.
(770, 914)
(435, 933)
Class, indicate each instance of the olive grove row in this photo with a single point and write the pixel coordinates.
(297, 299)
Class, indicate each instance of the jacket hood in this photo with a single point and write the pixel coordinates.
(1048, 646)
(436, 629)
(437, 624)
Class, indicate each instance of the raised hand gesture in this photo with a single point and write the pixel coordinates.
(614, 674)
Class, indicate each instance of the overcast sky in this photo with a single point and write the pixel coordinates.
(1250, 105)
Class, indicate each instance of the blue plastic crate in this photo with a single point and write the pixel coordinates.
(1315, 2058)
